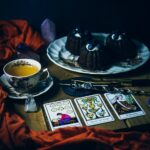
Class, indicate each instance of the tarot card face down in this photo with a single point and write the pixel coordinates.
(125, 106)
(93, 110)
(61, 114)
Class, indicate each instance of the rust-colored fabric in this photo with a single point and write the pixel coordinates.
(14, 134)
(14, 32)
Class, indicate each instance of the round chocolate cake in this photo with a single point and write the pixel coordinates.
(76, 39)
(120, 46)
(94, 57)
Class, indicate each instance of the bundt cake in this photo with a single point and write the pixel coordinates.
(120, 46)
(76, 39)
(94, 57)
(98, 55)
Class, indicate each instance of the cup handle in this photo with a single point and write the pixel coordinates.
(43, 72)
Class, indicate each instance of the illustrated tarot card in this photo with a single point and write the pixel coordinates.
(125, 106)
(93, 110)
(61, 114)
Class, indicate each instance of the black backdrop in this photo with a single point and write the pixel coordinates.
(131, 16)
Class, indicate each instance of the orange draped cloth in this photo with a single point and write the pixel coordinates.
(14, 134)
(14, 32)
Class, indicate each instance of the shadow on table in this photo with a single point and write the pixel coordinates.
(51, 92)
(140, 128)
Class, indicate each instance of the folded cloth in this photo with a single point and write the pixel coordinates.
(14, 134)
(14, 32)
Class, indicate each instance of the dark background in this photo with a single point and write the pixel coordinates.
(131, 16)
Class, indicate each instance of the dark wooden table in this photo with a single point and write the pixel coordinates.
(37, 121)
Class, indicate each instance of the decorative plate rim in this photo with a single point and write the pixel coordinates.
(55, 47)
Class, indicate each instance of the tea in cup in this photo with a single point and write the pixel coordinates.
(23, 74)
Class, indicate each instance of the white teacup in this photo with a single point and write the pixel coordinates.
(23, 74)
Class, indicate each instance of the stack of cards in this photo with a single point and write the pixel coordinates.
(93, 110)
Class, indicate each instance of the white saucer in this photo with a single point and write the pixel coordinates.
(41, 88)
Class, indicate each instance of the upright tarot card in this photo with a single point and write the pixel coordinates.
(93, 110)
(125, 106)
(61, 114)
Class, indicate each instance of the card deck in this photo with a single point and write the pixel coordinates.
(93, 110)
(61, 114)
(125, 106)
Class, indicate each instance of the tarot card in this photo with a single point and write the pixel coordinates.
(125, 106)
(93, 110)
(61, 114)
